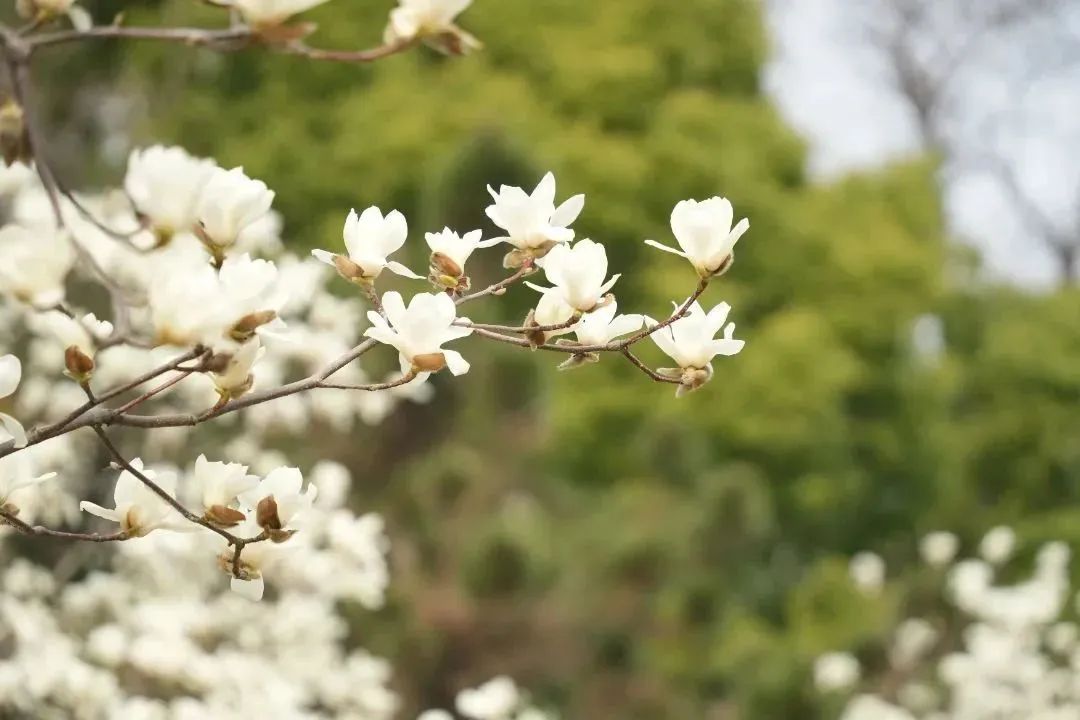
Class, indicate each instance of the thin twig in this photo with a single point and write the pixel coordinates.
(39, 531)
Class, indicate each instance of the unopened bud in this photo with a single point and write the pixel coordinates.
(514, 259)
(79, 365)
(266, 514)
(246, 326)
(14, 138)
(535, 337)
(224, 516)
(429, 362)
(280, 536)
(10, 508)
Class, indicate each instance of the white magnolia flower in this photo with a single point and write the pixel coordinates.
(703, 231)
(420, 330)
(16, 473)
(84, 333)
(370, 239)
(938, 549)
(532, 222)
(435, 715)
(578, 273)
(253, 561)
(165, 185)
(691, 341)
(496, 699)
(138, 509)
(453, 247)
(237, 378)
(265, 13)
(10, 375)
(229, 203)
(997, 545)
(602, 325)
(35, 264)
(286, 486)
(220, 484)
(79, 17)
(836, 671)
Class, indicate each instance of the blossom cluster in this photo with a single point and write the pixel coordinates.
(1008, 650)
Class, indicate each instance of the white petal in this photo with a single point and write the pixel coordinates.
(324, 256)
(95, 509)
(15, 429)
(80, 18)
(568, 212)
(396, 267)
(727, 347)
(10, 374)
(457, 364)
(249, 589)
(492, 242)
(665, 248)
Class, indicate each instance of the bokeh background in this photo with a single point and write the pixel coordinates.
(906, 291)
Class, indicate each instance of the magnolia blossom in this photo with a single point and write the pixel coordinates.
(253, 562)
(691, 342)
(450, 251)
(16, 473)
(417, 18)
(496, 699)
(578, 273)
(532, 222)
(939, 548)
(229, 203)
(219, 485)
(236, 378)
(867, 571)
(36, 263)
(265, 13)
(703, 231)
(165, 185)
(285, 488)
(602, 325)
(997, 545)
(10, 375)
(370, 239)
(420, 330)
(138, 509)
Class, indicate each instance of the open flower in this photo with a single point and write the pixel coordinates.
(10, 375)
(450, 251)
(578, 273)
(691, 342)
(432, 19)
(532, 223)
(370, 239)
(268, 13)
(278, 499)
(230, 202)
(219, 485)
(36, 263)
(703, 230)
(138, 509)
(420, 330)
(16, 473)
(165, 184)
(602, 326)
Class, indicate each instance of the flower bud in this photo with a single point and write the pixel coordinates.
(10, 508)
(245, 327)
(79, 365)
(266, 514)
(536, 338)
(224, 516)
(429, 362)
(350, 270)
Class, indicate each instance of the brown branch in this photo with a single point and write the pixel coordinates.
(154, 391)
(646, 369)
(498, 288)
(24, 528)
(373, 387)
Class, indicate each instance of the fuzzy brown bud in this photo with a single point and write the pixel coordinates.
(245, 327)
(441, 264)
(79, 365)
(266, 514)
(224, 516)
(429, 362)
(14, 138)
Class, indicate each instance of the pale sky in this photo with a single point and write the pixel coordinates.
(1017, 97)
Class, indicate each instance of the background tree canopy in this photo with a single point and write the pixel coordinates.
(623, 553)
